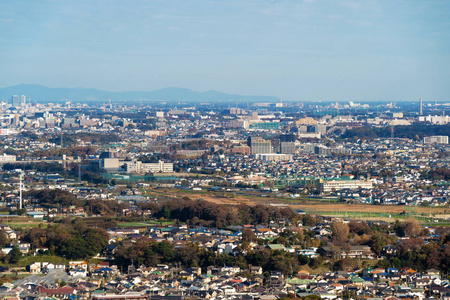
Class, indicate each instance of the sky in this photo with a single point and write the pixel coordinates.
(299, 50)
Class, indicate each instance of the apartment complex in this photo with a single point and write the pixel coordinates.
(259, 145)
(436, 139)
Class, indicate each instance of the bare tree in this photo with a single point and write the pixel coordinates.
(412, 227)
(340, 231)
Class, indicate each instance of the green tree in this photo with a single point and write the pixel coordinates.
(164, 249)
(166, 214)
(376, 243)
(303, 259)
(21, 212)
(15, 255)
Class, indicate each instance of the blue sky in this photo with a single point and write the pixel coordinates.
(296, 50)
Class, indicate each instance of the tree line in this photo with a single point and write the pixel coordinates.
(70, 238)
(201, 212)
(416, 131)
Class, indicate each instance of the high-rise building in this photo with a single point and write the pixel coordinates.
(287, 138)
(316, 128)
(23, 100)
(287, 147)
(15, 101)
(16, 120)
(259, 145)
(421, 107)
(68, 122)
(287, 143)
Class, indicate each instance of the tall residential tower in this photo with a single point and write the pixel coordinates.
(421, 107)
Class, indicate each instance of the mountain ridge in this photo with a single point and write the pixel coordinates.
(39, 93)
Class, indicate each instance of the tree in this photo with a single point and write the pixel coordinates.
(165, 249)
(412, 227)
(349, 295)
(166, 214)
(21, 211)
(308, 220)
(340, 231)
(398, 228)
(3, 237)
(376, 243)
(56, 197)
(248, 235)
(15, 255)
(425, 203)
(189, 254)
(359, 227)
(303, 259)
(71, 238)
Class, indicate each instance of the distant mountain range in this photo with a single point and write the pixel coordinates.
(43, 94)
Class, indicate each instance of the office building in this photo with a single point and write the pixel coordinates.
(23, 100)
(15, 101)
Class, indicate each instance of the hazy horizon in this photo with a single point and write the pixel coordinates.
(295, 50)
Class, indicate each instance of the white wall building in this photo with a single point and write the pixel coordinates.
(335, 185)
(7, 158)
(436, 139)
(140, 167)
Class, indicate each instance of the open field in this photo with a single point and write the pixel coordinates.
(388, 213)
(142, 224)
(31, 259)
(22, 222)
(25, 224)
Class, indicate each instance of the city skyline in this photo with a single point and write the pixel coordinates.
(297, 51)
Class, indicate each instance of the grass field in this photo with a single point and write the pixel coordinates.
(41, 258)
(29, 224)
